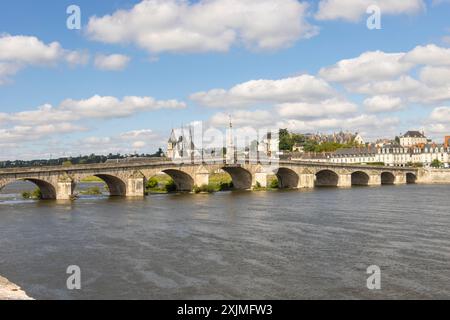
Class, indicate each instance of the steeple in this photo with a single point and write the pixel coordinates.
(230, 144)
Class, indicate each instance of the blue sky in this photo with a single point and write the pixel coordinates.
(218, 44)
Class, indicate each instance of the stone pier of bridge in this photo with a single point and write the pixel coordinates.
(129, 180)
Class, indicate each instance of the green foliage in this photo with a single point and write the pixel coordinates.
(258, 187)
(92, 191)
(286, 142)
(92, 179)
(35, 195)
(152, 183)
(332, 146)
(414, 164)
(87, 159)
(209, 188)
(170, 186)
(310, 146)
(274, 184)
(225, 186)
(67, 163)
(436, 163)
(380, 164)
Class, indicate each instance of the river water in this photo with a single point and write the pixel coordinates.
(232, 245)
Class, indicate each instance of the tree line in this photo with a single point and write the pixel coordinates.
(86, 159)
(288, 140)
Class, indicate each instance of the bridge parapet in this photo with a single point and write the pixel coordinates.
(128, 179)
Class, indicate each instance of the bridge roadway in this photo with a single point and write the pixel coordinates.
(129, 178)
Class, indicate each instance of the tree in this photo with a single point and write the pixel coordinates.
(286, 142)
(67, 163)
(436, 163)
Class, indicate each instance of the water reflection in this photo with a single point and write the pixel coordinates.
(286, 244)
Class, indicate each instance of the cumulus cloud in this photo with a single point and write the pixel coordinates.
(441, 114)
(429, 55)
(301, 88)
(354, 10)
(372, 65)
(383, 104)
(207, 25)
(141, 141)
(417, 76)
(32, 133)
(242, 118)
(106, 107)
(47, 121)
(113, 62)
(95, 107)
(438, 122)
(323, 108)
(18, 52)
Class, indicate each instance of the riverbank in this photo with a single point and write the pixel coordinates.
(10, 291)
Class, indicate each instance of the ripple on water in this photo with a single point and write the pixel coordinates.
(314, 244)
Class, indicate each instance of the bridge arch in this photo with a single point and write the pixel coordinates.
(360, 178)
(242, 178)
(387, 178)
(411, 178)
(48, 190)
(116, 186)
(287, 178)
(326, 178)
(183, 181)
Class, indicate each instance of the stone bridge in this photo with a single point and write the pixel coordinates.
(129, 178)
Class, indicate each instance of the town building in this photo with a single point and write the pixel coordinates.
(337, 137)
(412, 138)
(181, 145)
(390, 154)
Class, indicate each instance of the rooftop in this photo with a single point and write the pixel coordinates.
(413, 134)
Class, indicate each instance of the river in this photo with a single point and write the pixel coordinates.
(313, 244)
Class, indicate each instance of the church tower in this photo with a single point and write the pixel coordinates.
(230, 148)
(171, 145)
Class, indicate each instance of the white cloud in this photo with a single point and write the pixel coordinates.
(141, 141)
(17, 52)
(96, 107)
(441, 114)
(207, 25)
(434, 76)
(438, 122)
(394, 74)
(301, 88)
(369, 66)
(355, 10)
(383, 104)
(113, 62)
(32, 133)
(368, 125)
(429, 55)
(139, 144)
(323, 108)
(7, 70)
(242, 118)
(105, 107)
(400, 86)
(138, 134)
